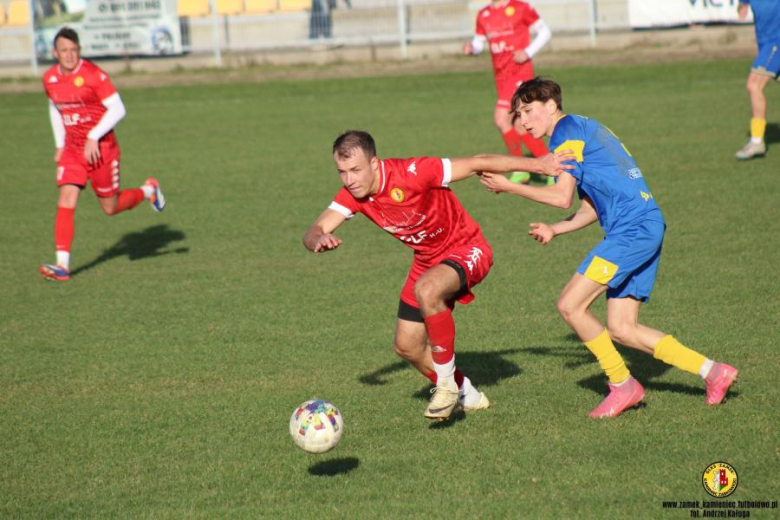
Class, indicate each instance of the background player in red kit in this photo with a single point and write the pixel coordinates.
(506, 26)
(411, 200)
(84, 107)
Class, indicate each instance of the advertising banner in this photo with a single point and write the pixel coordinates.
(110, 27)
(669, 13)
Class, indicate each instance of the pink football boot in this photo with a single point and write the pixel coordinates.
(620, 398)
(719, 380)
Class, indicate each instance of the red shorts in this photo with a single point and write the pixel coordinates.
(506, 88)
(476, 259)
(72, 168)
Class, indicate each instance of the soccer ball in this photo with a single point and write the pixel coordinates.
(316, 426)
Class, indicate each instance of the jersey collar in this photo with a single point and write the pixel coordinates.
(383, 181)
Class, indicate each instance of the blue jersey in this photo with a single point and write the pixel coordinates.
(766, 17)
(605, 173)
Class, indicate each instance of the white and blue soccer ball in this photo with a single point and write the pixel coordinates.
(316, 426)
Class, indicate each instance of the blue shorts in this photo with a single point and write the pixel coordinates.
(767, 62)
(628, 262)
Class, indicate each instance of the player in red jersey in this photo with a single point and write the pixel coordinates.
(411, 200)
(506, 26)
(84, 108)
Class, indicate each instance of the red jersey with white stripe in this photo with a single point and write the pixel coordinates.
(79, 98)
(506, 27)
(416, 206)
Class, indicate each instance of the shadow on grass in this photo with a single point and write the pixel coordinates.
(333, 467)
(483, 368)
(576, 356)
(377, 377)
(772, 134)
(457, 416)
(148, 243)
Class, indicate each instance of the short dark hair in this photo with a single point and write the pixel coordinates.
(345, 144)
(537, 89)
(68, 34)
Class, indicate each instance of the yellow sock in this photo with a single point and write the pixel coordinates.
(674, 353)
(609, 359)
(757, 128)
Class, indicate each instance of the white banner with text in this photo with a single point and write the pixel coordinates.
(110, 27)
(670, 13)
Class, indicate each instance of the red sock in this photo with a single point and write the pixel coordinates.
(535, 146)
(458, 377)
(513, 141)
(441, 333)
(128, 199)
(63, 228)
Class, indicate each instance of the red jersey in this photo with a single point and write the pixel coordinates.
(79, 98)
(416, 206)
(506, 28)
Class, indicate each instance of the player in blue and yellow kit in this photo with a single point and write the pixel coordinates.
(766, 17)
(624, 264)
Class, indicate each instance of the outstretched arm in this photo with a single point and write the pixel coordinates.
(550, 164)
(584, 216)
(559, 195)
(319, 238)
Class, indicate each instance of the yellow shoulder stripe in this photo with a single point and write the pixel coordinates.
(575, 146)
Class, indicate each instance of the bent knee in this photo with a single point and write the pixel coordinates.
(754, 87)
(567, 309)
(424, 292)
(622, 333)
(502, 125)
(404, 351)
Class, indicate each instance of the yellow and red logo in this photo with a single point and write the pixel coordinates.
(79, 81)
(509, 10)
(720, 479)
(397, 195)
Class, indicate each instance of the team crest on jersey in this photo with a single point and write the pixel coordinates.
(79, 81)
(397, 194)
(510, 10)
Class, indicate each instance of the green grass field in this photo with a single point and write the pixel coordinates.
(159, 381)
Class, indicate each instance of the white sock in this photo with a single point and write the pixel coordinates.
(445, 374)
(469, 396)
(63, 259)
(704, 371)
(148, 191)
(756, 140)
